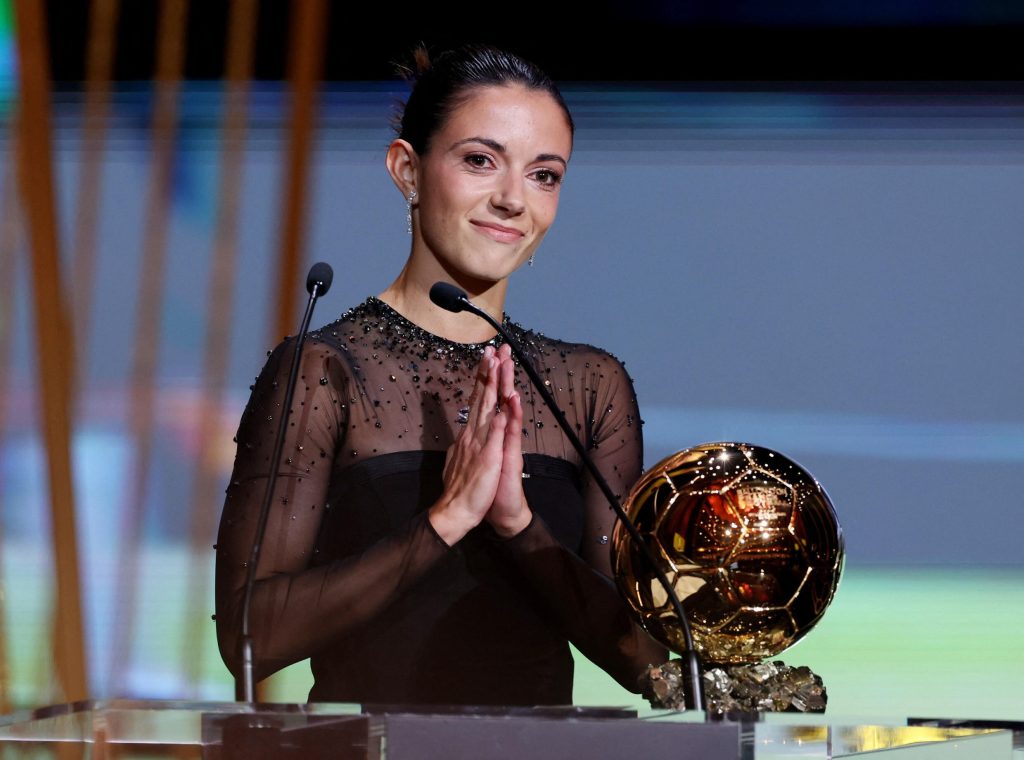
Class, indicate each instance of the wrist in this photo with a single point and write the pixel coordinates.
(449, 522)
(513, 525)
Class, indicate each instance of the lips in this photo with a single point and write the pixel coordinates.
(497, 232)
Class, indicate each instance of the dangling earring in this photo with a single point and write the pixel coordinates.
(529, 261)
(408, 211)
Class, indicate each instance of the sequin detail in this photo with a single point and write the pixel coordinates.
(365, 451)
(374, 383)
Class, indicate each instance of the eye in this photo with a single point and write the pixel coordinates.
(547, 177)
(477, 160)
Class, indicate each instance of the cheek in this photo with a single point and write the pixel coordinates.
(435, 211)
(546, 211)
(443, 202)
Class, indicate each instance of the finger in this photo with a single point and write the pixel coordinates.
(492, 449)
(449, 458)
(486, 405)
(513, 444)
(482, 372)
(507, 375)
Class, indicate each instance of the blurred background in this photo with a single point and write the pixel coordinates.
(800, 227)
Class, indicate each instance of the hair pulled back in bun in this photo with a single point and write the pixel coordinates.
(442, 83)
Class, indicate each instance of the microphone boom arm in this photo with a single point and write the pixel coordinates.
(446, 299)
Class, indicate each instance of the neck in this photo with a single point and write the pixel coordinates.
(409, 295)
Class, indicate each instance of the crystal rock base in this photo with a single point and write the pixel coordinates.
(761, 687)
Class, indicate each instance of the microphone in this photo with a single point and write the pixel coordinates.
(320, 277)
(318, 282)
(452, 298)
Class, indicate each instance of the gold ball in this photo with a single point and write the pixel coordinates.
(749, 542)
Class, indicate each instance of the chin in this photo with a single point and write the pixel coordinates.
(483, 277)
(476, 281)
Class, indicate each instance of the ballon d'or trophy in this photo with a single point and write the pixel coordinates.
(750, 543)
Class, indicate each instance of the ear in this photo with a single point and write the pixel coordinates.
(403, 166)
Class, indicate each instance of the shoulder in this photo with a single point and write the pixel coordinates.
(576, 358)
(356, 332)
(353, 327)
(338, 346)
(590, 384)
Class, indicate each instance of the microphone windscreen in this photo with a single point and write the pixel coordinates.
(449, 297)
(320, 276)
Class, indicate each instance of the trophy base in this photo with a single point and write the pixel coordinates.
(754, 688)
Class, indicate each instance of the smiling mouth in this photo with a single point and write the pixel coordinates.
(499, 233)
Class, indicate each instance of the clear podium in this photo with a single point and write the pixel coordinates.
(228, 730)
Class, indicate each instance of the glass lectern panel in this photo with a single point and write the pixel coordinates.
(122, 729)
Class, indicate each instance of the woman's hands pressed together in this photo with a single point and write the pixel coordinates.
(509, 512)
(483, 473)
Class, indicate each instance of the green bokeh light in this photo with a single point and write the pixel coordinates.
(6, 55)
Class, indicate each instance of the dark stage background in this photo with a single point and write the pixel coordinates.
(696, 43)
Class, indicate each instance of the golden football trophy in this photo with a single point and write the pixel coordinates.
(750, 543)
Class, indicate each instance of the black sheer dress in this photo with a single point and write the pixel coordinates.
(352, 574)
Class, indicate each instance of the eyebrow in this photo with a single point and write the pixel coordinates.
(498, 147)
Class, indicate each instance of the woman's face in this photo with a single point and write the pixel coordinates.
(487, 188)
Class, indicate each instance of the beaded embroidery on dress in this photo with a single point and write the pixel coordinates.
(351, 573)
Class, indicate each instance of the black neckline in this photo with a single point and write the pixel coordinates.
(385, 309)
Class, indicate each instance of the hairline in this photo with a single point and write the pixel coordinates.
(463, 94)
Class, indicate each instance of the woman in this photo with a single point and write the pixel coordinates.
(432, 538)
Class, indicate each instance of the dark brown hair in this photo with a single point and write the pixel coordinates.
(442, 84)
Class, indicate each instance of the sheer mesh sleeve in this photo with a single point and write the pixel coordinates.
(298, 608)
(576, 593)
(353, 576)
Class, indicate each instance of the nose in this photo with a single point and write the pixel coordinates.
(508, 195)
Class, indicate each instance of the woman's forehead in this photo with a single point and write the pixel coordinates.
(520, 114)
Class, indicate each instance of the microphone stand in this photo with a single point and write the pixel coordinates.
(318, 282)
(451, 298)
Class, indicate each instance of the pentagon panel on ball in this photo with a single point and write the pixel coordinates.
(749, 542)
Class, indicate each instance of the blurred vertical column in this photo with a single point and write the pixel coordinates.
(99, 66)
(305, 65)
(170, 61)
(54, 338)
(205, 507)
(8, 247)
